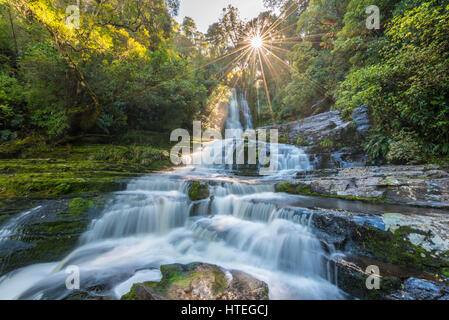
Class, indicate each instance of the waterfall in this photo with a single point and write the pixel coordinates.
(233, 119)
(244, 225)
(11, 227)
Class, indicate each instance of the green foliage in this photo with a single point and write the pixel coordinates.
(327, 143)
(405, 149)
(408, 88)
(377, 148)
(119, 70)
(299, 141)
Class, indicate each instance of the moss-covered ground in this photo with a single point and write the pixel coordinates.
(77, 170)
(70, 182)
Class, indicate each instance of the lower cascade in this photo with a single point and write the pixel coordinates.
(241, 225)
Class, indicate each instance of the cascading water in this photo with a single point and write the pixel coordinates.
(245, 225)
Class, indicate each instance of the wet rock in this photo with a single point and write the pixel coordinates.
(352, 278)
(47, 233)
(199, 281)
(413, 185)
(395, 282)
(362, 120)
(419, 289)
(415, 241)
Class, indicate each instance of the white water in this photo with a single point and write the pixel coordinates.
(11, 227)
(153, 222)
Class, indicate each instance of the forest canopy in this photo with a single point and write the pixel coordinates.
(129, 65)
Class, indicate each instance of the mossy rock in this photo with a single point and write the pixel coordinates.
(51, 233)
(78, 206)
(198, 191)
(78, 170)
(395, 247)
(199, 281)
(352, 280)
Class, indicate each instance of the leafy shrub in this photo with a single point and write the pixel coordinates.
(300, 141)
(283, 139)
(377, 148)
(326, 143)
(408, 88)
(405, 149)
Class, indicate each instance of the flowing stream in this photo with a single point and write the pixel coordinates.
(244, 226)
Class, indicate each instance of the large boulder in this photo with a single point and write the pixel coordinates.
(199, 281)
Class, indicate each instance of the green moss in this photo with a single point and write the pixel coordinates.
(283, 139)
(75, 170)
(267, 293)
(179, 276)
(57, 228)
(220, 283)
(326, 143)
(396, 248)
(132, 294)
(445, 272)
(300, 141)
(78, 206)
(198, 191)
(42, 249)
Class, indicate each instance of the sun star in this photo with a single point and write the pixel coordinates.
(256, 42)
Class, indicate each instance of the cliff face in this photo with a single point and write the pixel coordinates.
(330, 140)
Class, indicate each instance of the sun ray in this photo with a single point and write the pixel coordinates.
(319, 87)
(266, 88)
(281, 18)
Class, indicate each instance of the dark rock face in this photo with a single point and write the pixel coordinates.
(352, 279)
(395, 283)
(419, 289)
(330, 140)
(362, 120)
(199, 281)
